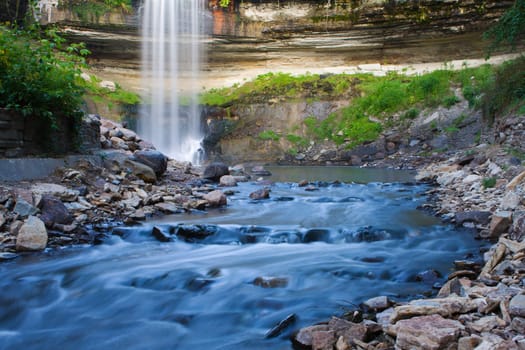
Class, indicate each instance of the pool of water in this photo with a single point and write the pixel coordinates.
(229, 275)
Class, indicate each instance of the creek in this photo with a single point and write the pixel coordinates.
(309, 253)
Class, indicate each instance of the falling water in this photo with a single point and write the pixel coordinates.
(172, 32)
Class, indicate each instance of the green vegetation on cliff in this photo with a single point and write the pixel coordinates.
(375, 103)
(87, 10)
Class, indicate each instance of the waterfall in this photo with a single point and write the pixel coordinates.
(172, 34)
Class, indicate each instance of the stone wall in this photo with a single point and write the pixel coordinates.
(23, 136)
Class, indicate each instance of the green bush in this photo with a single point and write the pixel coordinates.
(37, 78)
(505, 90)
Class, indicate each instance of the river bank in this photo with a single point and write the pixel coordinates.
(480, 306)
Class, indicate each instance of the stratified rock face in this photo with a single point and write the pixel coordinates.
(32, 235)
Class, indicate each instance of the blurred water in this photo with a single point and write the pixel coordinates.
(332, 248)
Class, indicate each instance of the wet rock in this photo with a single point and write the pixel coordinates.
(260, 171)
(475, 216)
(263, 193)
(303, 183)
(191, 232)
(141, 171)
(227, 181)
(499, 223)
(161, 235)
(281, 326)
(5, 256)
(23, 208)
(427, 333)
(53, 211)
(271, 282)
(138, 215)
(517, 305)
(32, 235)
(378, 303)
(214, 171)
(316, 235)
(216, 198)
(428, 276)
(154, 159)
(2, 220)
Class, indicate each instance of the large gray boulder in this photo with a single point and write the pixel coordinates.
(215, 171)
(154, 159)
(32, 235)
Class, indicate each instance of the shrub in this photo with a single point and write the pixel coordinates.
(38, 80)
(488, 182)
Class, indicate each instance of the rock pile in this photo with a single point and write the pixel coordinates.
(127, 183)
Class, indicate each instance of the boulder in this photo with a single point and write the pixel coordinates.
(263, 193)
(475, 216)
(32, 235)
(227, 181)
(442, 306)
(214, 171)
(499, 223)
(518, 324)
(141, 171)
(305, 336)
(154, 159)
(378, 303)
(259, 170)
(216, 198)
(24, 208)
(517, 231)
(517, 305)
(53, 211)
(350, 331)
(61, 192)
(427, 333)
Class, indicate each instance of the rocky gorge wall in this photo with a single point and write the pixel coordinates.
(264, 35)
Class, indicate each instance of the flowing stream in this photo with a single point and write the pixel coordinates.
(229, 275)
(172, 34)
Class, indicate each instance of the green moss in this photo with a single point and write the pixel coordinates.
(268, 135)
(488, 182)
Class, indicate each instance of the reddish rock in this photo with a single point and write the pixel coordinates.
(427, 333)
(216, 198)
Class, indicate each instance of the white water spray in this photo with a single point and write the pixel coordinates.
(172, 33)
